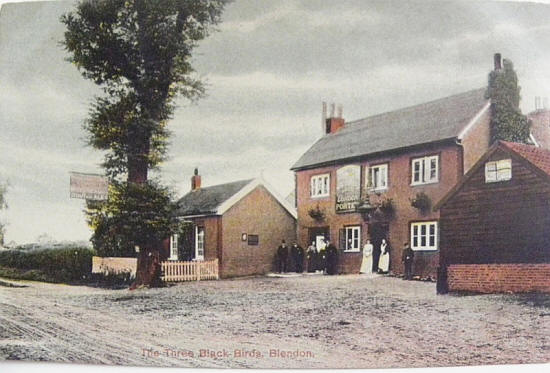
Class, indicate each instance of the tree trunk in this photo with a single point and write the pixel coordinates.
(148, 264)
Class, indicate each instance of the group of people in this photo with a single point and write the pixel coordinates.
(294, 258)
(326, 259)
(382, 263)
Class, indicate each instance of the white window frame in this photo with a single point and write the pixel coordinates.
(199, 243)
(424, 173)
(496, 171)
(319, 186)
(356, 238)
(173, 247)
(417, 235)
(374, 183)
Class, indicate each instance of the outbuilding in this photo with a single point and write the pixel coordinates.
(495, 234)
(240, 223)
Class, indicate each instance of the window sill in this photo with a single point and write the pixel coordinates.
(421, 184)
(424, 249)
(379, 190)
(352, 251)
(319, 197)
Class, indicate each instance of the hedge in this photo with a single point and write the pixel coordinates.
(54, 265)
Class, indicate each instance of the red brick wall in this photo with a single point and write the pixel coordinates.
(476, 142)
(540, 127)
(212, 241)
(399, 189)
(499, 278)
(257, 213)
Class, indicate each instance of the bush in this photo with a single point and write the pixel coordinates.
(53, 265)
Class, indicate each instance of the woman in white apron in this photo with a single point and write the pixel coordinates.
(384, 261)
(366, 264)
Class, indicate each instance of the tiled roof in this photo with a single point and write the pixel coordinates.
(425, 123)
(539, 157)
(205, 201)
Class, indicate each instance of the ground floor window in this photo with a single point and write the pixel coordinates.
(424, 235)
(174, 247)
(199, 243)
(353, 238)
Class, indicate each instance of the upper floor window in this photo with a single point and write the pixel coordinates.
(424, 235)
(378, 177)
(498, 171)
(320, 185)
(425, 170)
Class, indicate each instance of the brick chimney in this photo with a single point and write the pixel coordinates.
(334, 122)
(498, 62)
(196, 180)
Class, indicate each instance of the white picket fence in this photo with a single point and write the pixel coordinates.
(175, 271)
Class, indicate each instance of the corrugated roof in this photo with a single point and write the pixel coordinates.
(428, 122)
(537, 156)
(205, 201)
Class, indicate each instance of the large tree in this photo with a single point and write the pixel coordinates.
(139, 52)
(507, 121)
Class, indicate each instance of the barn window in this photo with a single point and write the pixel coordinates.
(425, 170)
(320, 185)
(496, 171)
(173, 247)
(424, 235)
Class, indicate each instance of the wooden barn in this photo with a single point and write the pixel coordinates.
(495, 224)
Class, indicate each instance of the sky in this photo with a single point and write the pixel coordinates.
(268, 68)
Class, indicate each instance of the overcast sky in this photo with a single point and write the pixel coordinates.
(268, 69)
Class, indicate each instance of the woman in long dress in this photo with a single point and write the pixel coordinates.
(384, 261)
(366, 264)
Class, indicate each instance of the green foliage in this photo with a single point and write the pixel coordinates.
(422, 202)
(507, 121)
(53, 265)
(134, 214)
(139, 52)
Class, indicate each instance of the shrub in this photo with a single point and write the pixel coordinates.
(54, 265)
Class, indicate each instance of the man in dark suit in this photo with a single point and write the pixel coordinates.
(298, 256)
(282, 257)
(332, 258)
(408, 257)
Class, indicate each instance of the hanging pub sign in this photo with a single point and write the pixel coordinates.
(89, 186)
(348, 188)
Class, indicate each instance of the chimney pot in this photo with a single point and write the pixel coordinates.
(196, 180)
(498, 62)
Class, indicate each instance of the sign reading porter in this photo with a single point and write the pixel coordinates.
(348, 188)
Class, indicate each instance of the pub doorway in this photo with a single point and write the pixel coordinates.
(318, 235)
(377, 232)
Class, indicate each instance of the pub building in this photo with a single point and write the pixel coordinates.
(378, 177)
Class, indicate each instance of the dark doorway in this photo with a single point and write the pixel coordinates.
(377, 232)
(317, 235)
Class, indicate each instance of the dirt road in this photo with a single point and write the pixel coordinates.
(311, 321)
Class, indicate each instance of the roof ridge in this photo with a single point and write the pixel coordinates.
(222, 184)
(410, 107)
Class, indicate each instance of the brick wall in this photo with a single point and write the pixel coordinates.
(499, 278)
(258, 213)
(399, 190)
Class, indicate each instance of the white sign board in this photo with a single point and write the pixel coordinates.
(89, 186)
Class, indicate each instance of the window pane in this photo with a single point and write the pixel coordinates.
(416, 167)
(384, 176)
(433, 169)
(415, 241)
(376, 177)
(432, 241)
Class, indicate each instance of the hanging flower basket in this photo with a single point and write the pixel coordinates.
(316, 214)
(422, 202)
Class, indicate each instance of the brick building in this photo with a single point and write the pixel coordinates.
(346, 180)
(240, 223)
(494, 224)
